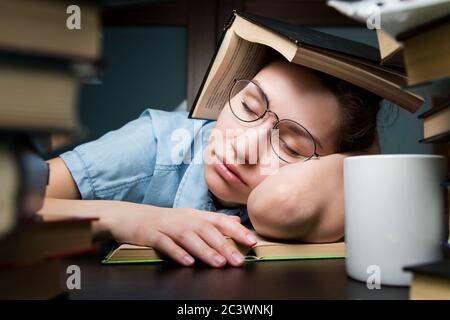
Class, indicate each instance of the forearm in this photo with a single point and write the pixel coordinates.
(106, 211)
(303, 201)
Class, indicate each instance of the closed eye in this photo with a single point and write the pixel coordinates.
(248, 109)
(289, 149)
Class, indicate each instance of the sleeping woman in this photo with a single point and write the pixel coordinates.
(272, 163)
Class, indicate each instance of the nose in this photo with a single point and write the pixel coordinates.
(253, 143)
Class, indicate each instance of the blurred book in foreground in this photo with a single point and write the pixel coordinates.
(37, 281)
(431, 281)
(42, 238)
(436, 123)
(427, 51)
(39, 27)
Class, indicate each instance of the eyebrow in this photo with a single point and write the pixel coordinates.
(302, 133)
(298, 131)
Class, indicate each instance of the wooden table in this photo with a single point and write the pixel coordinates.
(301, 279)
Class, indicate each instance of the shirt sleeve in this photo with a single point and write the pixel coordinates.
(117, 166)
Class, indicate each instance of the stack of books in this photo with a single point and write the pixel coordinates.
(426, 51)
(426, 55)
(30, 257)
(414, 35)
(431, 281)
(45, 53)
(427, 59)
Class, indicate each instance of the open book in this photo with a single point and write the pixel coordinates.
(263, 250)
(249, 42)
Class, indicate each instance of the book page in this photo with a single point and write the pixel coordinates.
(236, 59)
(387, 44)
(322, 250)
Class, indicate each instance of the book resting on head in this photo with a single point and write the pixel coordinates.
(249, 42)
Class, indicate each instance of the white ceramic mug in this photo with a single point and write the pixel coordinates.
(394, 214)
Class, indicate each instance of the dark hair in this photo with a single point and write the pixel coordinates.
(358, 117)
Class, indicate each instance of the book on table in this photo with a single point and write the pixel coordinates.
(42, 64)
(431, 281)
(41, 280)
(44, 237)
(264, 250)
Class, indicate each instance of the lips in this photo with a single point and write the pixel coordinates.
(228, 172)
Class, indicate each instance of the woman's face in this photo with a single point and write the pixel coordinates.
(239, 155)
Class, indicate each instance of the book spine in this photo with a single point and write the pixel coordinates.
(408, 34)
(83, 69)
(434, 110)
(230, 21)
(439, 138)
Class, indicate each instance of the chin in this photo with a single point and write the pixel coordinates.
(221, 189)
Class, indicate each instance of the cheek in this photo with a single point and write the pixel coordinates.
(225, 120)
(208, 154)
(265, 171)
(224, 125)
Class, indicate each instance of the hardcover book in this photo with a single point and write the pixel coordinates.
(250, 41)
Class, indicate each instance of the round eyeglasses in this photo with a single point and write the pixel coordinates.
(249, 103)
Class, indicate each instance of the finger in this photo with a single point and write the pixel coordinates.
(216, 240)
(233, 217)
(191, 242)
(167, 246)
(234, 229)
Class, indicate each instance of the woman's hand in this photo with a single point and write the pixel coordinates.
(185, 234)
(181, 234)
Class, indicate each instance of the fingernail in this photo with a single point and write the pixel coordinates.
(237, 257)
(188, 260)
(251, 238)
(218, 260)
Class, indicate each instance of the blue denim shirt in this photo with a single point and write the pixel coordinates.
(156, 159)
